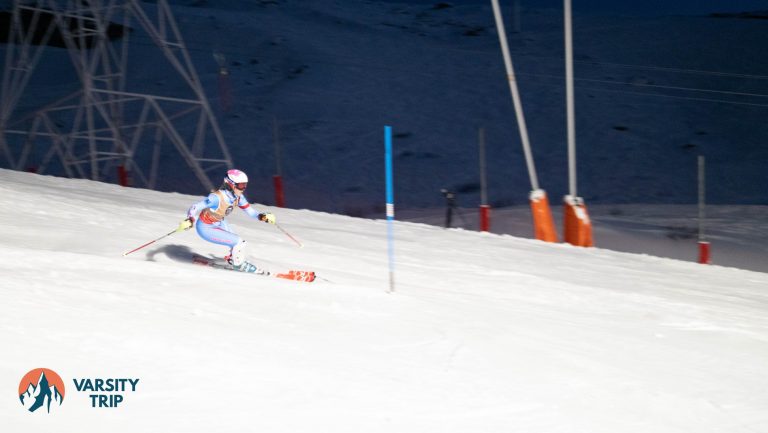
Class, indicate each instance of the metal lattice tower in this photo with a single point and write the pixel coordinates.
(100, 126)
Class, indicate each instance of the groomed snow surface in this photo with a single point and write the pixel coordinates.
(485, 332)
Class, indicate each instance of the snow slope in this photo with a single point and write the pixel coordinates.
(485, 333)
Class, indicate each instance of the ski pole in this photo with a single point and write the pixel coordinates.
(289, 235)
(149, 243)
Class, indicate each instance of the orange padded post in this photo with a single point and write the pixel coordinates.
(543, 224)
(578, 227)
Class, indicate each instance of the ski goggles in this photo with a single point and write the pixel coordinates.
(239, 185)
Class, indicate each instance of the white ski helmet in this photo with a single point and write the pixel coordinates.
(236, 179)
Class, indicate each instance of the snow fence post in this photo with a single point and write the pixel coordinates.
(390, 205)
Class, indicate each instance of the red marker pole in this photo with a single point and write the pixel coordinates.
(485, 218)
(279, 194)
(704, 247)
(122, 175)
(485, 208)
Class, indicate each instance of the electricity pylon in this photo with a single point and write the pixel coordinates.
(106, 123)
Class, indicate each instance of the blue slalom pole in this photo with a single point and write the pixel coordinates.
(390, 205)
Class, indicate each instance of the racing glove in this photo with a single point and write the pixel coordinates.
(186, 224)
(267, 218)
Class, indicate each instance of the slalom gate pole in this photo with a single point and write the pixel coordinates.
(289, 235)
(149, 243)
(390, 205)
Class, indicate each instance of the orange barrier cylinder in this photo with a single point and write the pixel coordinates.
(485, 217)
(704, 253)
(279, 195)
(543, 224)
(577, 226)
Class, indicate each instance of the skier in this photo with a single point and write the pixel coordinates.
(208, 217)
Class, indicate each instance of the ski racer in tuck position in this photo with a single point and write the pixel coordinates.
(208, 217)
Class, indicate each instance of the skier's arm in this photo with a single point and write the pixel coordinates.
(211, 201)
(253, 213)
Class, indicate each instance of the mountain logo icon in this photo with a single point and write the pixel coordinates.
(41, 388)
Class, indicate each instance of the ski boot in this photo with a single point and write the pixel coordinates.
(246, 267)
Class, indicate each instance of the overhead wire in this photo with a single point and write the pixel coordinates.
(348, 61)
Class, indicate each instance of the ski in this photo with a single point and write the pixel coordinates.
(305, 276)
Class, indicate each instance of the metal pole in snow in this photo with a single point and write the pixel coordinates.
(483, 184)
(515, 95)
(701, 198)
(390, 205)
(569, 100)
